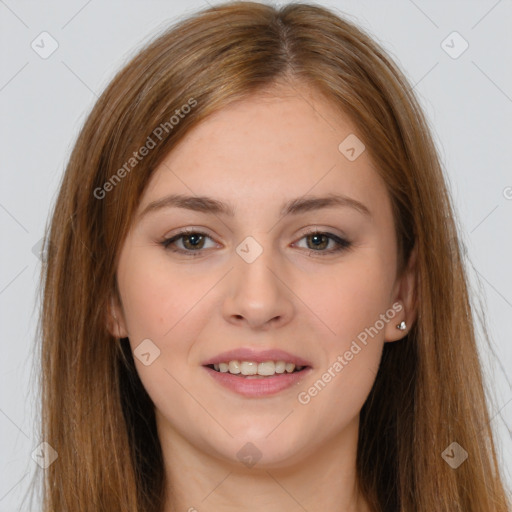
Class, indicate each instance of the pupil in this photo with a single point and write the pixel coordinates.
(195, 239)
(317, 239)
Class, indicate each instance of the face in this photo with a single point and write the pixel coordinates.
(256, 278)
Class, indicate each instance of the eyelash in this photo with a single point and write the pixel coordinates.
(343, 244)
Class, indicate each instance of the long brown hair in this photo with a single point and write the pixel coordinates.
(429, 390)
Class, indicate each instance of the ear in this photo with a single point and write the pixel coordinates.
(404, 301)
(115, 321)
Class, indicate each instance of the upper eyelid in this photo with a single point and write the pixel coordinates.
(312, 228)
(203, 232)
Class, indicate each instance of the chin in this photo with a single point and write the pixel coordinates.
(261, 451)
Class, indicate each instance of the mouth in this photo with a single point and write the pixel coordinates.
(257, 374)
(255, 370)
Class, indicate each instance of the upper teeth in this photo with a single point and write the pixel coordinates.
(253, 368)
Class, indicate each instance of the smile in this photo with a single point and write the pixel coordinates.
(257, 373)
(255, 369)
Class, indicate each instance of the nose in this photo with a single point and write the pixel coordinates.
(257, 293)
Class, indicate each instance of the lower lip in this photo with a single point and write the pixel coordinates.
(258, 388)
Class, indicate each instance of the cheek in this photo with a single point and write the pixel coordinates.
(163, 303)
(350, 297)
(157, 297)
(354, 300)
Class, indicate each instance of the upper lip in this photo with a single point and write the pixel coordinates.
(258, 356)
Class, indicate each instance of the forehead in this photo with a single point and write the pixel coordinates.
(269, 148)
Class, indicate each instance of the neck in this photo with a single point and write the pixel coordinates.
(324, 479)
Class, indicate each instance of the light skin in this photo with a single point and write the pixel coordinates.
(296, 296)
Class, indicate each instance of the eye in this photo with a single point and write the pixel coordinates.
(320, 240)
(194, 241)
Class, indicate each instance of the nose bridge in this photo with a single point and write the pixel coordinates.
(257, 291)
(255, 262)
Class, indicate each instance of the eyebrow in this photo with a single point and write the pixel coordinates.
(296, 206)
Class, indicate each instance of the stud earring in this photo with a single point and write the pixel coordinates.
(402, 326)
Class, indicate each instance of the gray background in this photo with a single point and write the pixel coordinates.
(43, 102)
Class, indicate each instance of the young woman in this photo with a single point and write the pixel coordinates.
(254, 297)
